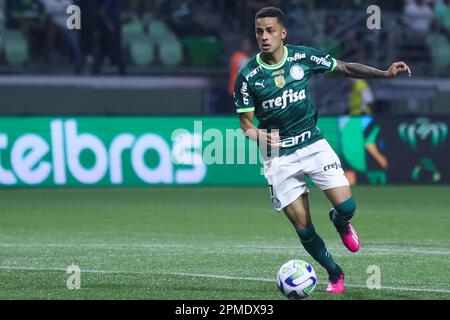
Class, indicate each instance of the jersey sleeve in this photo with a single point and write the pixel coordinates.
(320, 62)
(243, 98)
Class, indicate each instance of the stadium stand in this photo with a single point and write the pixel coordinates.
(155, 43)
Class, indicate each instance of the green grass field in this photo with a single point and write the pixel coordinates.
(213, 243)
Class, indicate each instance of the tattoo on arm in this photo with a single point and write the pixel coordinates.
(357, 70)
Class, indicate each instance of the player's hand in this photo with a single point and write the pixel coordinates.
(271, 139)
(396, 68)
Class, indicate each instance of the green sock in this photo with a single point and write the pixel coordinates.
(339, 221)
(342, 213)
(315, 246)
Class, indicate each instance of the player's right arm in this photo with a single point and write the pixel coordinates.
(253, 133)
(245, 107)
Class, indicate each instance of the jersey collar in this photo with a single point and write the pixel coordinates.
(273, 66)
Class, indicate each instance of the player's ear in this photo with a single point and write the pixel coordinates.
(283, 33)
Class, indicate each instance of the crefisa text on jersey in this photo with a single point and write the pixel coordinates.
(282, 101)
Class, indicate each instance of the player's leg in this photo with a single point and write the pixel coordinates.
(325, 170)
(299, 215)
(343, 210)
(288, 190)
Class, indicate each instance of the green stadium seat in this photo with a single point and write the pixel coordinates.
(2, 17)
(131, 30)
(15, 47)
(440, 50)
(142, 51)
(158, 30)
(170, 52)
(202, 51)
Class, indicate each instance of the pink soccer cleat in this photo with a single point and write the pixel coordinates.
(349, 237)
(336, 287)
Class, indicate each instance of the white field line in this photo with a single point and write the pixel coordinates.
(370, 248)
(64, 270)
(272, 280)
(213, 276)
(401, 249)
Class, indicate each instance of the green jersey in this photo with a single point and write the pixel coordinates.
(279, 95)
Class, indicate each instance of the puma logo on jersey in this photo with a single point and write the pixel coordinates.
(287, 97)
(260, 83)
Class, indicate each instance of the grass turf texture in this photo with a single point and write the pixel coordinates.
(213, 243)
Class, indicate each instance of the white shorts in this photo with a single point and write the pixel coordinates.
(286, 174)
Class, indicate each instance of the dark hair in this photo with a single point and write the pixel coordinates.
(271, 12)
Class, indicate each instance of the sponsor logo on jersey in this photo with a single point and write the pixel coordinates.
(245, 94)
(253, 72)
(260, 83)
(279, 81)
(287, 97)
(334, 166)
(275, 73)
(297, 72)
(297, 56)
(292, 141)
(321, 61)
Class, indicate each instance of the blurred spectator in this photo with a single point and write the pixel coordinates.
(56, 11)
(361, 98)
(253, 6)
(29, 17)
(237, 60)
(442, 14)
(299, 24)
(179, 17)
(342, 4)
(110, 36)
(89, 9)
(208, 16)
(418, 16)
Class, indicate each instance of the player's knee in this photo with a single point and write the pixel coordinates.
(346, 209)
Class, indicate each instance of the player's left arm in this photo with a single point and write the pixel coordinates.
(361, 71)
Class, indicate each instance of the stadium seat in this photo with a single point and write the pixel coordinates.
(2, 17)
(170, 52)
(130, 31)
(15, 47)
(158, 30)
(202, 51)
(141, 50)
(440, 50)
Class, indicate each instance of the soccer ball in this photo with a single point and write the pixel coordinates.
(296, 279)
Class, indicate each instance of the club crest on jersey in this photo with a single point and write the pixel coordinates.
(279, 81)
(297, 72)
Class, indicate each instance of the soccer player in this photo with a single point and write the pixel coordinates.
(273, 87)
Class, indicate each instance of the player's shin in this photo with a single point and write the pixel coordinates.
(315, 246)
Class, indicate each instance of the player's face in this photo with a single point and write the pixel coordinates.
(270, 35)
